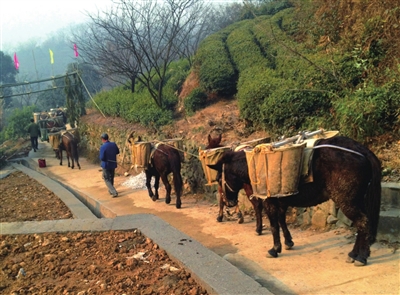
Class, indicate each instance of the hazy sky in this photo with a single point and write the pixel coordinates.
(23, 20)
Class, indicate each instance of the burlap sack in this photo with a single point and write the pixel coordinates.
(209, 157)
(54, 140)
(141, 154)
(275, 172)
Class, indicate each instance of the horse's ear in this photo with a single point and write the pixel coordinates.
(217, 167)
(220, 138)
(209, 138)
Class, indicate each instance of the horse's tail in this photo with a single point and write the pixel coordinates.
(176, 173)
(373, 196)
(75, 150)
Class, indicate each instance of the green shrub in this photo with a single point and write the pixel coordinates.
(17, 123)
(212, 61)
(369, 111)
(244, 48)
(255, 85)
(195, 101)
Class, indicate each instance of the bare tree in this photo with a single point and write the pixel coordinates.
(137, 40)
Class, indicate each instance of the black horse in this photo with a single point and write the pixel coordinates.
(215, 142)
(165, 159)
(69, 144)
(344, 170)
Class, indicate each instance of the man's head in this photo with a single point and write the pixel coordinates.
(104, 136)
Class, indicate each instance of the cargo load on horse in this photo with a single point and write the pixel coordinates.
(342, 169)
(159, 160)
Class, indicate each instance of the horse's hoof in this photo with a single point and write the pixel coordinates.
(363, 262)
(272, 254)
(350, 259)
(154, 198)
(219, 218)
(178, 206)
(240, 220)
(167, 201)
(289, 245)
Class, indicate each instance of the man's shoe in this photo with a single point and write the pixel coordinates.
(34, 150)
(116, 195)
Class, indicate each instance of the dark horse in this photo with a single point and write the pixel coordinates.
(215, 142)
(343, 170)
(69, 144)
(165, 159)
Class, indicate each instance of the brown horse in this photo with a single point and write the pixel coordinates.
(165, 159)
(69, 144)
(215, 142)
(344, 171)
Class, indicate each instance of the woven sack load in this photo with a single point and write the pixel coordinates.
(36, 117)
(141, 154)
(256, 162)
(275, 172)
(177, 143)
(54, 140)
(210, 157)
(59, 121)
(257, 141)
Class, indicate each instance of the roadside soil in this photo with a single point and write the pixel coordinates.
(115, 262)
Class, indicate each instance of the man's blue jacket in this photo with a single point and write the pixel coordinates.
(108, 155)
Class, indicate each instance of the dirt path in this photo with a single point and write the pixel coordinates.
(316, 265)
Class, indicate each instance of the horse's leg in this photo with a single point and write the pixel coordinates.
(156, 186)
(258, 207)
(286, 233)
(239, 214)
(60, 155)
(164, 178)
(77, 162)
(69, 165)
(361, 248)
(148, 182)
(72, 159)
(221, 205)
(273, 216)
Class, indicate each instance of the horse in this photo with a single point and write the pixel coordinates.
(165, 159)
(69, 144)
(344, 171)
(215, 142)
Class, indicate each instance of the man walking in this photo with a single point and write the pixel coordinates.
(34, 132)
(108, 156)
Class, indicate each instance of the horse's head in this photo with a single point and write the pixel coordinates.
(229, 183)
(214, 142)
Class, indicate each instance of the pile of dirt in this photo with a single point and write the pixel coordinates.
(24, 199)
(115, 262)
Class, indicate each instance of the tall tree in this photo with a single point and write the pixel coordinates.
(137, 40)
(7, 76)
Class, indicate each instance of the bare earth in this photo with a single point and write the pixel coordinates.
(78, 263)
